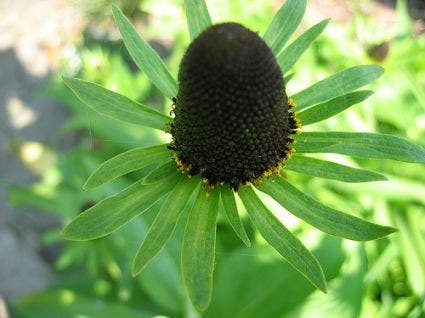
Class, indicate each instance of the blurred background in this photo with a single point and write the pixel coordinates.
(50, 142)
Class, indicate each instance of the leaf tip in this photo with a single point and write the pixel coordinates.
(65, 235)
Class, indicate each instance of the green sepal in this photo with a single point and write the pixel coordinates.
(336, 85)
(116, 106)
(198, 17)
(363, 145)
(320, 216)
(163, 226)
(113, 212)
(284, 24)
(145, 56)
(289, 56)
(331, 170)
(126, 162)
(231, 210)
(198, 250)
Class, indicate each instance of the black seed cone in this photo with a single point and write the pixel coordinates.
(232, 122)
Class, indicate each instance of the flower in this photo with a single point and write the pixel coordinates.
(233, 131)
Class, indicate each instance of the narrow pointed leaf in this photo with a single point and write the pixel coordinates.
(338, 84)
(330, 108)
(363, 145)
(288, 77)
(320, 216)
(289, 56)
(161, 172)
(116, 106)
(163, 226)
(330, 170)
(282, 240)
(229, 203)
(198, 251)
(126, 162)
(198, 17)
(284, 24)
(145, 56)
(113, 212)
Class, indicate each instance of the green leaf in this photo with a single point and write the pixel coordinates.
(198, 18)
(336, 85)
(330, 108)
(163, 226)
(320, 216)
(364, 145)
(289, 56)
(281, 239)
(115, 105)
(229, 203)
(330, 170)
(198, 251)
(145, 56)
(67, 303)
(284, 24)
(113, 212)
(126, 162)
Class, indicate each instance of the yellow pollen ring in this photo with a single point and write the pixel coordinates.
(183, 168)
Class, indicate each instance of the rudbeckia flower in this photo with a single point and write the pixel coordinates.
(234, 128)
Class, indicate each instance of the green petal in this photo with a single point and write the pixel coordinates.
(145, 56)
(111, 213)
(284, 24)
(328, 109)
(330, 170)
(114, 105)
(288, 77)
(161, 172)
(278, 236)
(198, 251)
(163, 226)
(126, 162)
(289, 56)
(320, 216)
(198, 18)
(229, 203)
(364, 145)
(337, 85)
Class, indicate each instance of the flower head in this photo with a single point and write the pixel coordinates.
(233, 124)
(232, 116)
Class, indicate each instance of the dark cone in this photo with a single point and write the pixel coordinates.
(232, 120)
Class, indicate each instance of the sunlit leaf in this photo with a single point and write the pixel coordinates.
(278, 236)
(330, 170)
(364, 145)
(289, 56)
(126, 162)
(116, 106)
(198, 18)
(262, 297)
(284, 24)
(163, 226)
(336, 85)
(113, 212)
(198, 251)
(330, 108)
(320, 216)
(145, 56)
(229, 203)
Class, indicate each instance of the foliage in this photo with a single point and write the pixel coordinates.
(251, 282)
